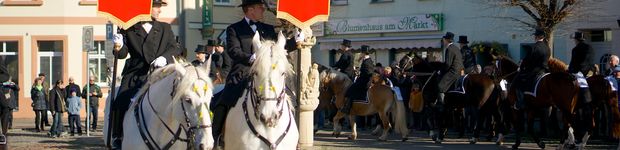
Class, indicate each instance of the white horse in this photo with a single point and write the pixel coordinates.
(171, 111)
(263, 116)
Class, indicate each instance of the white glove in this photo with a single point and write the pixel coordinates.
(252, 58)
(299, 36)
(118, 39)
(159, 62)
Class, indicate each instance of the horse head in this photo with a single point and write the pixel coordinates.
(377, 79)
(269, 73)
(185, 103)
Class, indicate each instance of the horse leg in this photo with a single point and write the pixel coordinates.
(386, 126)
(567, 118)
(337, 126)
(353, 128)
(476, 116)
(376, 130)
(517, 121)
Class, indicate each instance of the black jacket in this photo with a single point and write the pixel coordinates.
(144, 48)
(358, 89)
(72, 88)
(581, 58)
(469, 59)
(57, 100)
(537, 59)
(239, 47)
(345, 63)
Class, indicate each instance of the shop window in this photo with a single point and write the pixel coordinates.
(97, 64)
(22, 2)
(340, 2)
(50, 60)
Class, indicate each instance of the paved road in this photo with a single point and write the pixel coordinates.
(23, 137)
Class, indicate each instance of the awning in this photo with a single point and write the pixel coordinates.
(425, 41)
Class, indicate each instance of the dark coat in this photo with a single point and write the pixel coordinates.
(454, 61)
(11, 101)
(94, 99)
(72, 87)
(533, 64)
(345, 64)
(359, 88)
(144, 48)
(38, 99)
(57, 100)
(226, 64)
(469, 59)
(581, 59)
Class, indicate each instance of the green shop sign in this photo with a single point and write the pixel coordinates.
(207, 18)
(411, 23)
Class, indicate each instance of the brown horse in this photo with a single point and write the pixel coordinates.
(478, 88)
(381, 100)
(602, 96)
(559, 89)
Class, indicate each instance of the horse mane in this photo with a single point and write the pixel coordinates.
(556, 65)
(270, 56)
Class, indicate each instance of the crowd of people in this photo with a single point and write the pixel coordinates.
(63, 98)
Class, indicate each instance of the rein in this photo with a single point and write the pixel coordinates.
(146, 135)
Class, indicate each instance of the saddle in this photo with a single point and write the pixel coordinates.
(363, 98)
(459, 85)
(531, 90)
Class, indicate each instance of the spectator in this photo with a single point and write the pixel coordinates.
(46, 91)
(613, 62)
(73, 108)
(39, 105)
(57, 107)
(12, 102)
(95, 94)
(72, 87)
(6, 94)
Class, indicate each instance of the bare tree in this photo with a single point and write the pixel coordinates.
(546, 15)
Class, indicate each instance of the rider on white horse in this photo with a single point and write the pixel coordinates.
(149, 44)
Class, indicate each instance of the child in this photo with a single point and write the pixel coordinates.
(73, 105)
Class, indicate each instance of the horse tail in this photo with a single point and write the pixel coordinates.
(399, 116)
(615, 129)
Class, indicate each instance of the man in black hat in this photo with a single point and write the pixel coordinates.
(150, 43)
(469, 58)
(581, 58)
(241, 52)
(201, 58)
(454, 61)
(357, 90)
(534, 64)
(345, 63)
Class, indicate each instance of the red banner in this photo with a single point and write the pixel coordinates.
(303, 13)
(125, 13)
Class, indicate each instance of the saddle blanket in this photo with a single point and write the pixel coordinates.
(535, 86)
(613, 83)
(459, 85)
(583, 83)
(218, 88)
(396, 90)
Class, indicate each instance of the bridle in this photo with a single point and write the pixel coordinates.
(255, 100)
(190, 131)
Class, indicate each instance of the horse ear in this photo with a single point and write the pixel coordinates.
(281, 40)
(256, 41)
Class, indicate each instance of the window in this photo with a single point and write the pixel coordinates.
(50, 60)
(222, 2)
(8, 50)
(340, 2)
(22, 2)
(381, 1)
(97, 64)
(600, 35)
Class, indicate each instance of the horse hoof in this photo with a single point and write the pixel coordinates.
(351, 138)
(515, 147)
(473, 141)
(382, 140)
(572, 146)
(499, 143)
(405, 139)
(437, 142)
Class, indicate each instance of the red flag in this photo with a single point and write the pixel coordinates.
(125, 13)
(303, 13)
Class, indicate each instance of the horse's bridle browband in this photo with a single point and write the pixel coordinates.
(146, 135)
(272, 146)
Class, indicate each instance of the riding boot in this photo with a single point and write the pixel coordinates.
(219, 117)
(117, 129)
(346, 109)
(520, 104)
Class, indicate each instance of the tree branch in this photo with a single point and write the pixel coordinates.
(526, 23)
